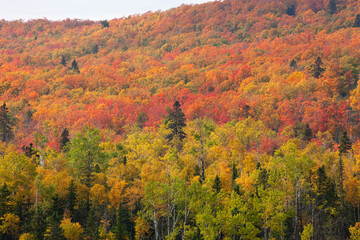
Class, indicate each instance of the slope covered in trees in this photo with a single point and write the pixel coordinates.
(225, 120)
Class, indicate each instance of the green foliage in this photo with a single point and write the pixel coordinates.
(85, 152)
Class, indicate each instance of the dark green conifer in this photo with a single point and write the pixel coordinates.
(122, 228)
(63, 61)
(105, 24)
(357, 21)
(217, 184)
(317, 70)
(75, 66)
(291, 10)
(345, 144)
(64, 139)
(332, 6)
(6, 124)
(176, 122)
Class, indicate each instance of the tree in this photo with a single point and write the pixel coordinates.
(345, 143)
(71, 197)
(4, 200)
(332, 6)
(176, 122)
(357, 21)
(217, 184)
(105, 24)
(291, 10)
(75, 66)
(64, 139)
(85, 153)
(6, 124)
(293, 64)
(72, 231)
(122, 228)
(317, 70)
(63, 61)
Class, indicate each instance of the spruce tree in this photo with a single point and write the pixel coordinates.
(357, 21)
(4, 199)
(122, 228)
(345, 143)
(64, 139)
(217, 184)
(176, 122)
(6, 124)
(317, 70)
(105, 24)
(291, 10)
(75, 66)
(332, 6)
(71, 197)
(63, 61)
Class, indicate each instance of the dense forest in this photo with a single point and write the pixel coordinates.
(232, 119)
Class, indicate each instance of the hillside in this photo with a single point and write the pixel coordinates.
(269, 139)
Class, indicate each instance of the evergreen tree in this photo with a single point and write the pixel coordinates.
(105, 24)
(6, 124)
(176, 122)
(357, 21)
(217, 184)
(235, 174)
(29, 150)
(123, 226)
(71, 197)
(75, 66)
(332, 6)
(345, 144)
(4, 200)
(95, 49)
(317, 70)
(293, 64)
(291, 10)
(64, 139)
(63, 61)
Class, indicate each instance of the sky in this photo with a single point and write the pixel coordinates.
(83, 9)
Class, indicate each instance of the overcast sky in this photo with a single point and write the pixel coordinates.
(83, 9)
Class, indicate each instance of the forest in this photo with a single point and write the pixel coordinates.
(231, 119)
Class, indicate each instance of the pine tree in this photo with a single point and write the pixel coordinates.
(293, 64)
(64, 139)
(317, 70)
(291, 10)
(345, 143)
(6, 124)
(122, 228)
(357, 21)
(75, 66)
(332, 6)
(176, 122)
(235, 174)
(71, 197)
(105, 24)
(4, 199)
(217, 184)
(63, 61)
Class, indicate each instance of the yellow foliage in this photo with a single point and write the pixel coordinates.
(72, 231)
(98, 193)
(10, 224)
(355, 232)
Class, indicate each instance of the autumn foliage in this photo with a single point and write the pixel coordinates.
(263, 140)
